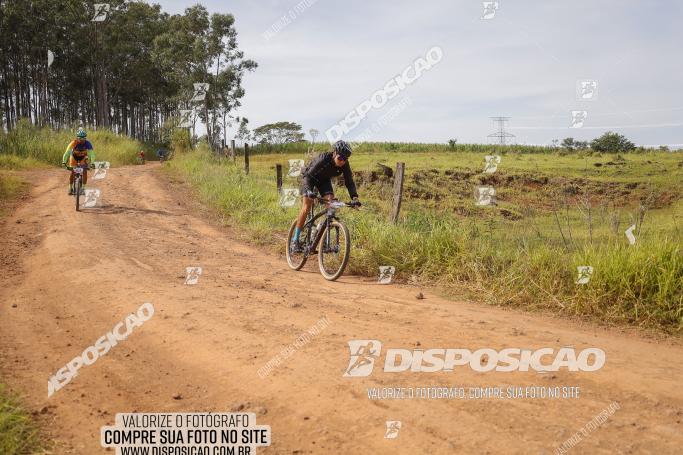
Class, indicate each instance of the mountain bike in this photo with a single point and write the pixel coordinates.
(329, 239)
(78, 182)
(163, 155)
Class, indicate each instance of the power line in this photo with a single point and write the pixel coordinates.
(501, 135)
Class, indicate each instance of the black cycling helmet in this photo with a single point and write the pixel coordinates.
(343, 148)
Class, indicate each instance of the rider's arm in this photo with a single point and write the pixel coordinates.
(69, 148)
(348, 180)
(91, 152)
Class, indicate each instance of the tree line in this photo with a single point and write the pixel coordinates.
(131, 72)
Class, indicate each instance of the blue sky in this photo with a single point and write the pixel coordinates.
(523, 63)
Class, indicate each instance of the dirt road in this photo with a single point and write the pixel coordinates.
(70, 277)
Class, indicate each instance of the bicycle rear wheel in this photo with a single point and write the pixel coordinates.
(297, 260)
(334, 251)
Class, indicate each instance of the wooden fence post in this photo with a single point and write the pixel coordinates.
(278, 176)
(246, 158)
(398, 191)
(232, 150)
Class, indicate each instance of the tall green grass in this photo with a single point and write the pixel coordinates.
(46, 145)
(10, 186)
(496, 261)
(19, 434)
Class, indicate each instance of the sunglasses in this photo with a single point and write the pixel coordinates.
(341, 157)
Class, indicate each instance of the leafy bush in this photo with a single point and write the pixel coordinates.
(180, 140)
(612, 142)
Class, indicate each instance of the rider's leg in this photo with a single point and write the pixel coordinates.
(306, 206)
(307, 190)
(326, 189)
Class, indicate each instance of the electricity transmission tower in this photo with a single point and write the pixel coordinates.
(501, 135)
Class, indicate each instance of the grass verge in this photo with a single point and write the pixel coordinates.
(19, 434)
(11, 187)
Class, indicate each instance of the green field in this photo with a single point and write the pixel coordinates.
(555, 212)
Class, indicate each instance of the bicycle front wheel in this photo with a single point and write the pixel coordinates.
(334, 251)
(77, 188)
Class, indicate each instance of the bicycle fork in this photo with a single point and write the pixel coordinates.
(330, 244)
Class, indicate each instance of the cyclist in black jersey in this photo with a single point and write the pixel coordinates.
(318, 176)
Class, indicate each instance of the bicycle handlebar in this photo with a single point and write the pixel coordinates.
(343, 204)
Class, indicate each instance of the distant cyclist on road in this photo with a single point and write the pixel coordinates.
(318, 175)
(79, 153)
(161, 154)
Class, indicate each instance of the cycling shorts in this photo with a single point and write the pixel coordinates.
(309, 185)
(77, 160)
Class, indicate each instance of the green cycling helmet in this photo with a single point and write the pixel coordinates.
(81, 133)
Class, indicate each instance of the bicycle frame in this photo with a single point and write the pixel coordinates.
(330, 214)
(78, 172)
